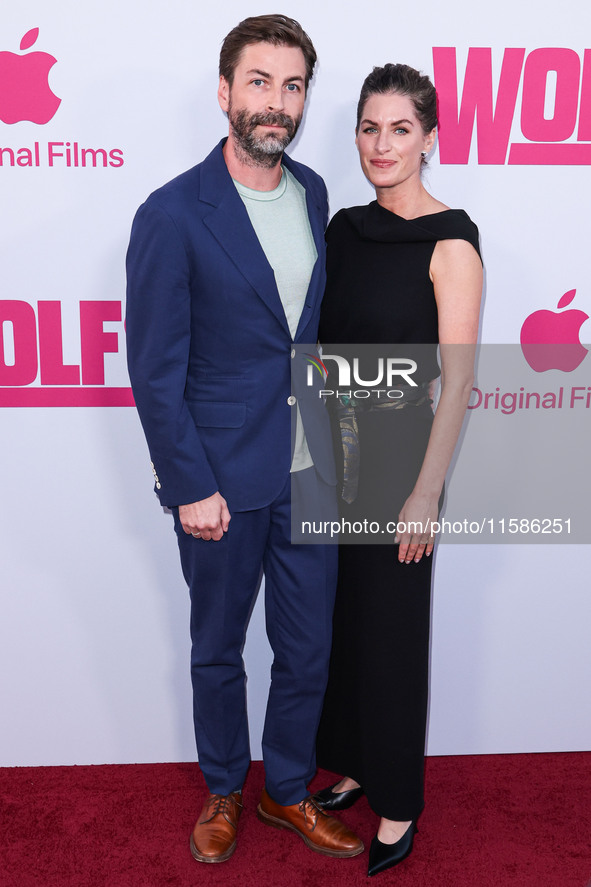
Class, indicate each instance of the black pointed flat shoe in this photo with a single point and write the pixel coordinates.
(384, 856)
(326, 799)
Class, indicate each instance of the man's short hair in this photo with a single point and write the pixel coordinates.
(278, 30)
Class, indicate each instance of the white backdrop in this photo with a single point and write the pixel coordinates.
(94, 630)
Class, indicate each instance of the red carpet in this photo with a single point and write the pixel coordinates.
(490, 821)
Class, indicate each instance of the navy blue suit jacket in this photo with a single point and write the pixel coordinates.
(209, 348)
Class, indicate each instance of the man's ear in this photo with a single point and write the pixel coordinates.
(224, 94)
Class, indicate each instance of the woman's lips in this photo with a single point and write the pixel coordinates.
(383, 164)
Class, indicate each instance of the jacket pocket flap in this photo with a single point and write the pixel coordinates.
(208, 414)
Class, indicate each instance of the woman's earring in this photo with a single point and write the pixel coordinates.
(423, 153)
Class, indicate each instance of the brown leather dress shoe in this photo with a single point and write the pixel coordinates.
(214, 835)
(321, 832)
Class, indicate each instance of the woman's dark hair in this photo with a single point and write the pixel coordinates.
(402, 80)
(278, 30)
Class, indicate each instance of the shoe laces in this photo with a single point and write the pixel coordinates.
(222, 804)
(311, 811)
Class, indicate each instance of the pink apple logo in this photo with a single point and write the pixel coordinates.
(24, 87)
(550, 341)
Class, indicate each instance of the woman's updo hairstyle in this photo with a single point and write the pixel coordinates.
(402, 80)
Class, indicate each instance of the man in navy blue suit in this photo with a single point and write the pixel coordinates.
(225, 278)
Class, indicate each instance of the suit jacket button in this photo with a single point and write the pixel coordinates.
(291, 400)
(293, 352)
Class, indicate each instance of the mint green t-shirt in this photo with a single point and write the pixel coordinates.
(280, 220)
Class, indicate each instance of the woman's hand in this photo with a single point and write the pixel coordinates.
(415, 536)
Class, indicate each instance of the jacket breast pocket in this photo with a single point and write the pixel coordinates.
(209, 414)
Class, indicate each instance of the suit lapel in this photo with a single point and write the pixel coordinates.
(230, 225)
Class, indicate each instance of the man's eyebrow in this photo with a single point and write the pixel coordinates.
(270, 76)
(258, 71)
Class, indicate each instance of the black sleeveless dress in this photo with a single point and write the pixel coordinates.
(374, 718)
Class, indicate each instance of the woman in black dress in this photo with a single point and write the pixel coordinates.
(403, 270)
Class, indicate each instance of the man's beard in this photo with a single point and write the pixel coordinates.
(262, 150)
